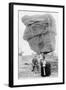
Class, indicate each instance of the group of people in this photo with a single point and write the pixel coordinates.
(45, 67)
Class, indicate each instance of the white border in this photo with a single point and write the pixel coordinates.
(60, 45)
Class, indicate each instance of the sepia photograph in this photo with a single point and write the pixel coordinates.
(38, 44)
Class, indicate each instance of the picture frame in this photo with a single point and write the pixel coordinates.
(21, 16)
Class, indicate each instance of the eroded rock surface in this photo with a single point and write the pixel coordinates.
(40, 32)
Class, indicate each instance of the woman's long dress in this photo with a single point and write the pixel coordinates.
(45, 71)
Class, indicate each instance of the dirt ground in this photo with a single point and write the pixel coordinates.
(25, 67)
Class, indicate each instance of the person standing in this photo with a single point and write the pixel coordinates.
(35, 64)
(42, 64)
(45, 66)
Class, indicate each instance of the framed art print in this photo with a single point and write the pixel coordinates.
(36, 44)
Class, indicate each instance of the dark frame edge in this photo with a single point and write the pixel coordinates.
(28, 85)
(10, 45)
(11, 4)
(36, 4)
(63, 44)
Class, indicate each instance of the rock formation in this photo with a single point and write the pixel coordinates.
(40, 32)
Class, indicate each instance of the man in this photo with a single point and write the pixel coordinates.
(45, 67)
(35, 64)
(43, 64)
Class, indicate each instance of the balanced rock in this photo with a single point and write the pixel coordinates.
(40, 32)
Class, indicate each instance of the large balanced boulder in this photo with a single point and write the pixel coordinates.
(40, 32)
